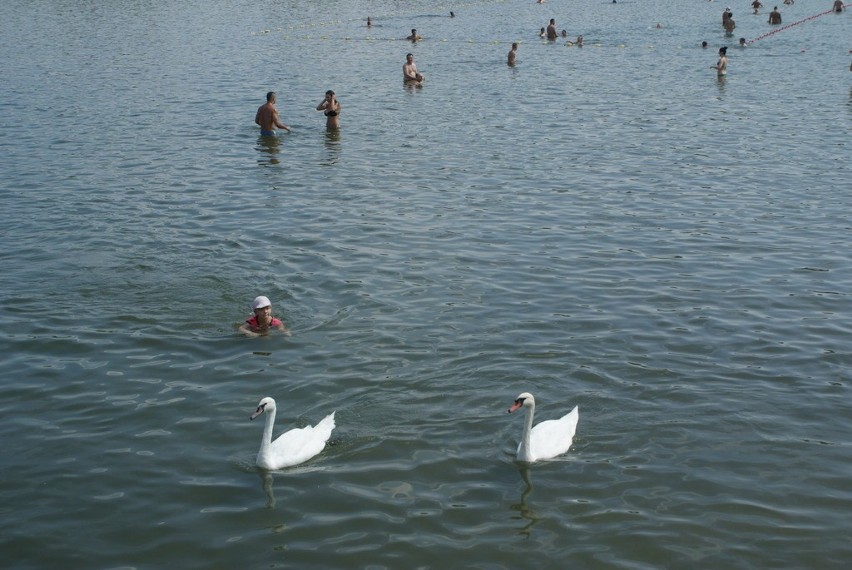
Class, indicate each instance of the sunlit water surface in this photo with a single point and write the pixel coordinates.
(609, 226)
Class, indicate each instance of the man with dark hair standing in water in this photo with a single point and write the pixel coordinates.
(775, 16)
(267, 117)
(409, 70)
(551, 30)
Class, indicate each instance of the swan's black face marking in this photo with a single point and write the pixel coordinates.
(520, 401)
(258, 411)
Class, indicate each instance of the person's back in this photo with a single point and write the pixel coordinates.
(775, 16)
(267, 116)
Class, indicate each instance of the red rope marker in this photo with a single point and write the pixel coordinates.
(782, 28)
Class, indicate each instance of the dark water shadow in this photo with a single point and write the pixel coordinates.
(269, 148)
(332, 145)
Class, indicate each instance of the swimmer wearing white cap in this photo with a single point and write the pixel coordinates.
(262, 321)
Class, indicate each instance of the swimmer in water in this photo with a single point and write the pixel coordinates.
(267, 117)
(721, 66)
(742, 42)
(409, 70)
(551, 30)
(414, 37)
(775, 16)
(262, 321)
(512, 53)
(756, 5)
(331, 107)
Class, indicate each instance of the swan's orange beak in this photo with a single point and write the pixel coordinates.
(516, 406)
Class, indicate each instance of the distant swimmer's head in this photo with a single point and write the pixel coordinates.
(742, 41)
(723, 50)
(704, 44)
(270, 97)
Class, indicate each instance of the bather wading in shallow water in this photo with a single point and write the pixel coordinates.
(267, 117)
(331, 109)
(409, 70)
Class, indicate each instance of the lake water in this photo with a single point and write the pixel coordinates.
(609, 226)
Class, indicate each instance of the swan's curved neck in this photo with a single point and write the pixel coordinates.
(266, 439)
(525, 440)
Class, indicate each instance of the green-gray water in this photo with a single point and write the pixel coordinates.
(607, 226)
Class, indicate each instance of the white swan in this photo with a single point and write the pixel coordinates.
(291, 447)
(549, 438)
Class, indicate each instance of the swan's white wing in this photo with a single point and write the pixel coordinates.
(299, 445)
(553, 437)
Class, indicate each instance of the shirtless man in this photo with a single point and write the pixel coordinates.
(409, 70)
(513, 53)
(756, 5)
(414, 37)
(551, 30)
(730, 25)
(775, 16)
(838, 6)
(267, 117)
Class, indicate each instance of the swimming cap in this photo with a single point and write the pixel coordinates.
(260, 302)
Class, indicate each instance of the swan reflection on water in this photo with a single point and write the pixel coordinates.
(526, 513)
(267, 481)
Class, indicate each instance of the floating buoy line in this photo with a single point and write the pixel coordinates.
(788, 26)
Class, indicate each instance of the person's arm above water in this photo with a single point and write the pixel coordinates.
(277, 120)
